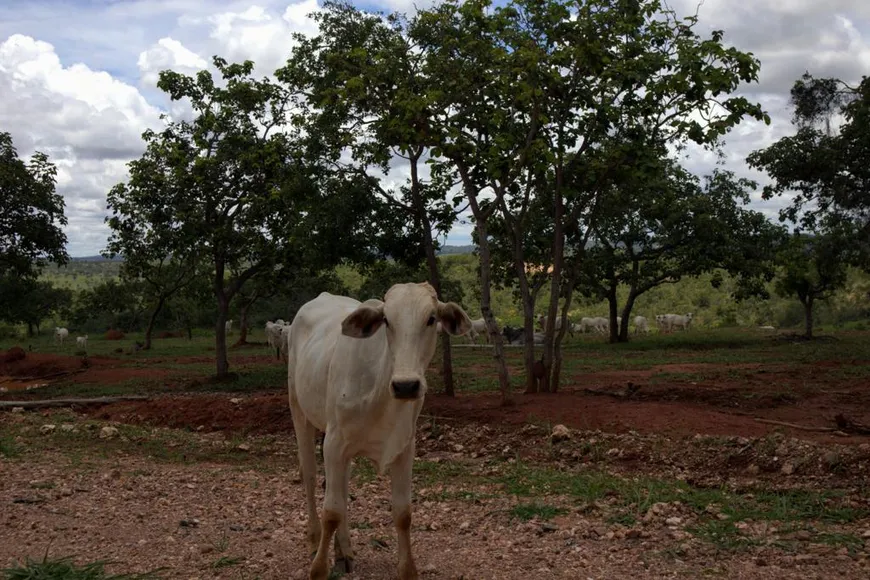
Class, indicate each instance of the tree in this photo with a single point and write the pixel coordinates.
(31, 213)
(29, 301)
(813, 268)
(660, 225)
(824, 168)
(363, 71)
(245, 183)
(522, 94)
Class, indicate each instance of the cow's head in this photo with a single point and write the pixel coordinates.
(410, 313)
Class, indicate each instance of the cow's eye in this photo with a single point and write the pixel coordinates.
(431, 320)
(386, 322)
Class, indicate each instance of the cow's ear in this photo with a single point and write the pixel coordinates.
(363, 322)
(453, 318)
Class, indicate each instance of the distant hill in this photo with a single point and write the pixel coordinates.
(447, 250)
(96, 259)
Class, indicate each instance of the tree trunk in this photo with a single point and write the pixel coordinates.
(613, 313)
(434, 275)
(626, 315)
(150, 328)
(550, 382)
(528, 301)
(220, 334)
(808, 316)
(243, 323)
(29, 330)
(557, 346)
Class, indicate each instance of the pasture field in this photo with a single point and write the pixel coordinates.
(706, 454)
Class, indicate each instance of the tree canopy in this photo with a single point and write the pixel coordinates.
(31, 213)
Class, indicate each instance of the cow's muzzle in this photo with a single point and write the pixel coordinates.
(406, 389)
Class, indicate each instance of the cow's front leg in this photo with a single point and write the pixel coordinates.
(334, 504)
(400, 476)
(343, 548)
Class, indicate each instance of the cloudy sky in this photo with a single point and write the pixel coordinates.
(77, 76)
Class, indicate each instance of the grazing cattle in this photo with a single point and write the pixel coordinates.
(679, 321)
(663, 323)
(82, 341)
(478, 328)
(60, 334)
(641, 324)
(517, 336)
(228, 326)
(542, 324)
(284, 340)
(357, 372)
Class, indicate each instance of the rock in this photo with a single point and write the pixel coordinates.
(46, 429)
(67, 427)
(787, 468)
(17, 409)
(244, 447)
(806, 560)
(760, 561)
(108, 432)
(547, 527)
(464, 525)
(633, 534)
(560, 433)
(235, 400)
(430, 569)
(753, 469)
(866, 534)
(674, 521)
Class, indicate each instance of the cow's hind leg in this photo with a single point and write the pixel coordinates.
(334, 504)
(400, 479)
(305, 434)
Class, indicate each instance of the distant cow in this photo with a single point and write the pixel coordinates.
(641, 324)
(82, 342)
(60, 334)
(357, 371)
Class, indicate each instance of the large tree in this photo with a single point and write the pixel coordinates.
(662, 224)
(245, 183)
(362, 71)
(31, 212)
(29, 301)
(813, 267)
(522, 93)
(823, 166)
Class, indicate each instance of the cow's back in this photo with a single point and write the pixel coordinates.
(315, 330)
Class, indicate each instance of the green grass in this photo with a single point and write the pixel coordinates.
(529, 511)
(66, 569)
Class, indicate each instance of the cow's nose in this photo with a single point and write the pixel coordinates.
(406, 389)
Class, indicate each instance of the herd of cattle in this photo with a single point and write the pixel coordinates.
(278, 332)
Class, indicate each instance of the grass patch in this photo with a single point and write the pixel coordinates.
(529, 511)
(66, 569)
(227, 562)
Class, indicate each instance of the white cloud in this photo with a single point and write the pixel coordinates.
(168, 53)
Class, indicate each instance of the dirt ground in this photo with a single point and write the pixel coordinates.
(211, 520)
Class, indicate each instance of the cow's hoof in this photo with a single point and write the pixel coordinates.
(343, 566)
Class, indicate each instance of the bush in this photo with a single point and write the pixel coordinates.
(114, 334)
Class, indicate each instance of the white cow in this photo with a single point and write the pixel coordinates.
(641, 324)
(82, 341)
(478, 328)
(663, 321)
(357, 371)
(284, 340)
(542, 324)
(679, 321)
(60, 334)
(228, 326)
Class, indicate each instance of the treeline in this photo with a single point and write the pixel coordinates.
(100, 306)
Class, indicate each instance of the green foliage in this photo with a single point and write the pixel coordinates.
(31, 213)
(823, 169)
(812, 269)
(66, 569)
(30, 301)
